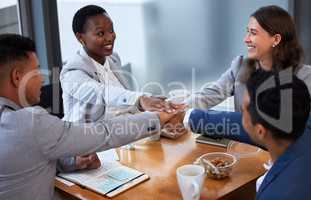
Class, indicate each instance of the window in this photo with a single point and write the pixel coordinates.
(184, 41)
(9, 22)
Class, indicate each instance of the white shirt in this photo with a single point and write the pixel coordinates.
(259, 181)
(106, 76)
(114, 90)
(186, 119)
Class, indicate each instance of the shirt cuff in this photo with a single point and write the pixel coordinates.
(66, 164)
(133, 98)
(186, 119)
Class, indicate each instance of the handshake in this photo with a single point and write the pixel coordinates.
(171, 118)
(171, 114)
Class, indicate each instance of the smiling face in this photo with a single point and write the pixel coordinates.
(98, 37)
(259, 42)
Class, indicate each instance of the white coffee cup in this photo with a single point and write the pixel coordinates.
(178, 95)
(190, 180)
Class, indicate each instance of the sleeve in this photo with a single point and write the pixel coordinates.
(215, 92)
(82, 87)
(186, 119)
(130, 97)
(59, 139)
(67, 164)
(115, 56)
(220, 124)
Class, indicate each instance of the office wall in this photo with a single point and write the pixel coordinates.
(302, 15)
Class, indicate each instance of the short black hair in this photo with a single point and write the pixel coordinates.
(14, 47)
(268, 102)
(81, 16)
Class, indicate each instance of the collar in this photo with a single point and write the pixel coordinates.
(113, 66)
(8, 103)
(98, 67)
(296, 150)
(83, 53)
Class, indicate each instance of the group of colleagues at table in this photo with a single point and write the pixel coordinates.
(270, 88)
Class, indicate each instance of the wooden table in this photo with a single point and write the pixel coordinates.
(160, 159)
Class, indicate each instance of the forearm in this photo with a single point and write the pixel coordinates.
(215, 92)
(117, 96)
(67, 164)
(207, 98)
(219, 124)
(59, 139)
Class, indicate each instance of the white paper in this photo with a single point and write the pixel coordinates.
(68, 183)
(108, 156)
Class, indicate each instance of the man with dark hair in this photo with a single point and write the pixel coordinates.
(275, 112)
(15, 52)
(32, 141)
(271, 103)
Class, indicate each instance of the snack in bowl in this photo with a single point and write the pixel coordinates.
(224, 163)
(219, 162)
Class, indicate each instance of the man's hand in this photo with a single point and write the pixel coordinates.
(90, 161)
(165, 117)
(172, 121)
(158, 104)
(175, 127)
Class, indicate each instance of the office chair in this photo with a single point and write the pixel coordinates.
(51, 99)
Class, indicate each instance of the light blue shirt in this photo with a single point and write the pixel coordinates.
(31, 142)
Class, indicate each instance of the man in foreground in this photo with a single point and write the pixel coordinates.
(275, 113)
(31, 140)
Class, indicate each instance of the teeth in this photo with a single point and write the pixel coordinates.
(108, 46)
(250, 47)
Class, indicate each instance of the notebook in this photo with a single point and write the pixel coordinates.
(110, 179)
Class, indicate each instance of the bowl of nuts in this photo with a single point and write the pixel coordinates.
(218, 165)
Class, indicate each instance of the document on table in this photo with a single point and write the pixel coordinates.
(108, 156)
(110, 179)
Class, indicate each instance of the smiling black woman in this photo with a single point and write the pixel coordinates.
(93, 81)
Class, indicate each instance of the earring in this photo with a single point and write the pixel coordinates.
(273, 45)
(82, 42)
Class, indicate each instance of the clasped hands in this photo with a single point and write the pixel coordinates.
(171, 118)
(171, 115)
